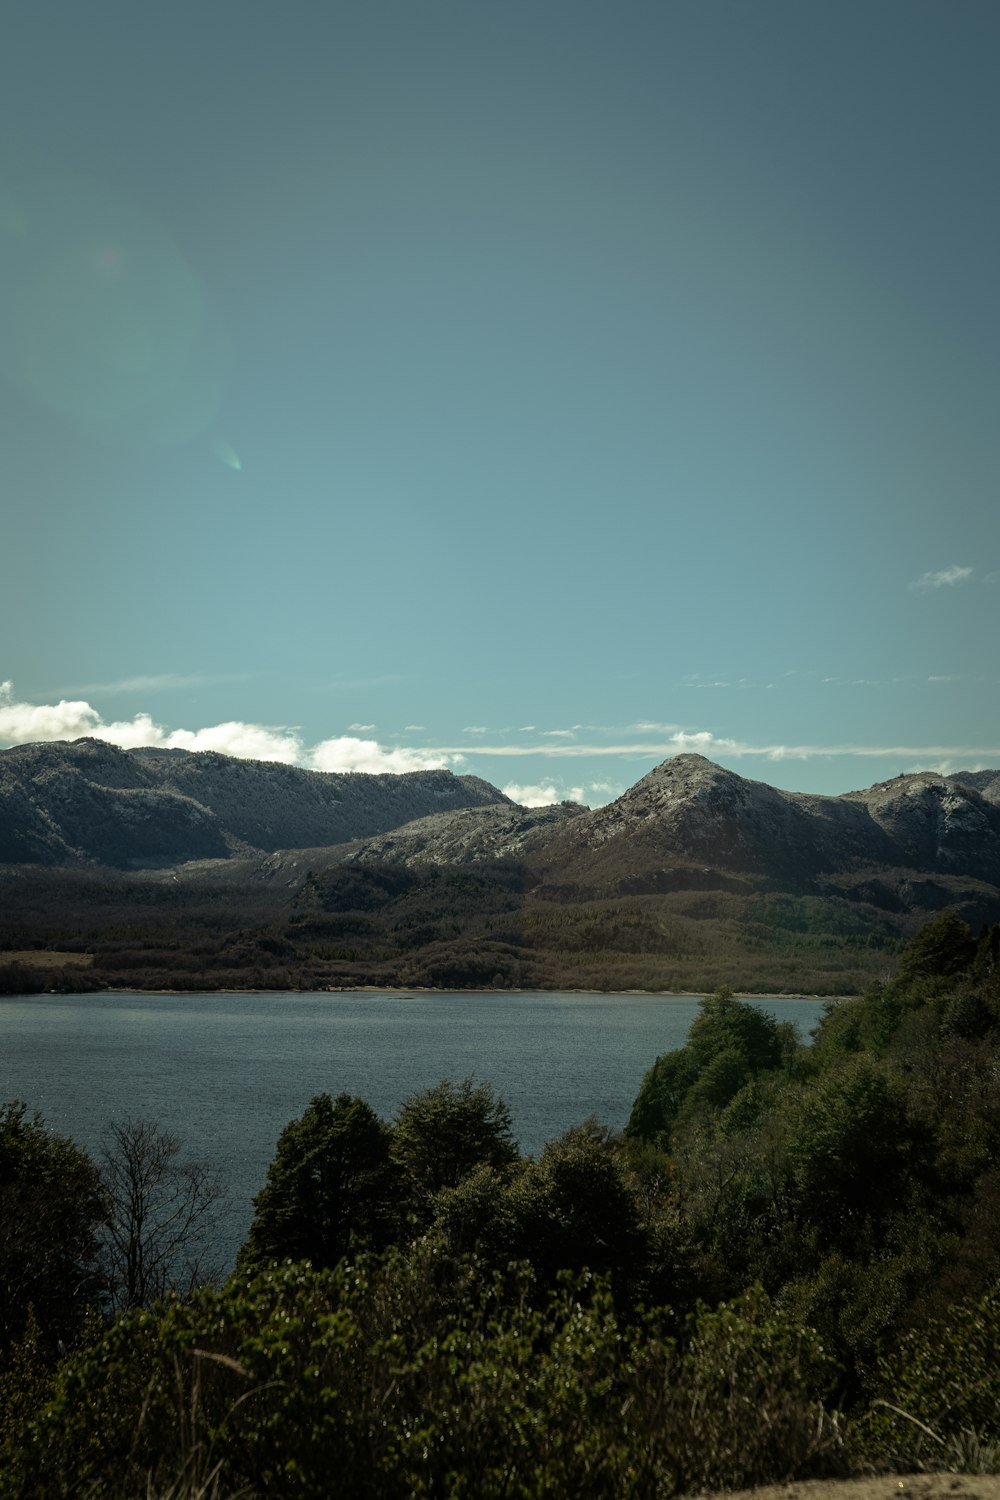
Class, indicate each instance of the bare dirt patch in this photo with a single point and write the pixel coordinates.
(40, 958)
(882, 1487)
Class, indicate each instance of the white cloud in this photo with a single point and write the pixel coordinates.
(245, 741)
(559, 734)
(939, 767)
(345, 753)
(29, 723)
(531, 796)
(704, 742)
(475, 729)
(22, 723)
(411, 728)
(942, 578)
(161, 682)
(361, 728)
(25, 723)
(542, 794)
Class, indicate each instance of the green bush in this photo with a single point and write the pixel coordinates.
(417, 1376)
(939, 1401)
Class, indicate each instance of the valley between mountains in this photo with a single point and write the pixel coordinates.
(196, 871)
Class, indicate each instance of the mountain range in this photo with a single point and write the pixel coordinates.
(88, 802)
(405, 878)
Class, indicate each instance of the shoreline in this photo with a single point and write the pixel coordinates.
(417, 989)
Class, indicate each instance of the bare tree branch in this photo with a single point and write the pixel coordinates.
(161, 1213)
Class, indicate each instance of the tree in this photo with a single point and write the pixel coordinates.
(987, 961)
(662, 1092)
(944, 946)
(331, 1188)
(729, 1044)
(575, 1208)
(443, 1132)
(159, 1215)
(850, 1148)
(51, 1206)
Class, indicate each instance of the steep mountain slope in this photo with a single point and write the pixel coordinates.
(197, 872)
(936, 823)
(689, 815)
(272, 806)
(89, 801)
(986, 783)
(473, 835)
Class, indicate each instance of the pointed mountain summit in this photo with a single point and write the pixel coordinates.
(689, 817)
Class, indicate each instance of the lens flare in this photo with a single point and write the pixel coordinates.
(226, 454)
(102, 319)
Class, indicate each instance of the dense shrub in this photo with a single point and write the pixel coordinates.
(417, 1375)
(939, 1396)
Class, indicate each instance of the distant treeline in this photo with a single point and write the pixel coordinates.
(786, 1265)
(453, 927)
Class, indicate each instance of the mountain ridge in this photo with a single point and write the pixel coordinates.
(688, 824)
(86, 800)
(152, 870)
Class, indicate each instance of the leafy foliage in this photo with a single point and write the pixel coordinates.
(51, 1206)
(730, 1044)
(443, 1132)
(939, 1394)
(330, 1188)
(416, 1375)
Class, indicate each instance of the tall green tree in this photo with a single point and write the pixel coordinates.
(443, 1132)
(729, 1044)
(51, 1207)
(332, 1188)
(944, 946)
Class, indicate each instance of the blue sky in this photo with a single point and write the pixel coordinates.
(538, 389)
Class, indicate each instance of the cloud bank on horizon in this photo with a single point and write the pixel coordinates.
(29, 723)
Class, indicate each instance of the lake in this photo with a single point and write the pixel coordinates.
(227, 1072)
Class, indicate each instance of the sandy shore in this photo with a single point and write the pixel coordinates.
(885, 1487)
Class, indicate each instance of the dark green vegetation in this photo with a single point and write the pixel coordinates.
(788, 1265)
(458, 927)
(169, 870)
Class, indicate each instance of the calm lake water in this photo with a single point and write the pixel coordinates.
(227, 1072)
